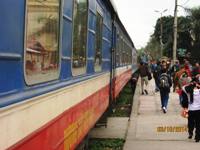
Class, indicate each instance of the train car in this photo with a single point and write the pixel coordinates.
(59, 67)
(124, 58)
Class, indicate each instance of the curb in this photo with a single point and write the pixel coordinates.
(135, 109)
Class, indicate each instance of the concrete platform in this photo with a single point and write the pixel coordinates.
(161, 145)
(151, 129)
(116, 128)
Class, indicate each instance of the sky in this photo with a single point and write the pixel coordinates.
(139, 16)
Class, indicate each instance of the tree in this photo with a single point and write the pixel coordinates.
(153, 47)
(184, 36)
(194, 15)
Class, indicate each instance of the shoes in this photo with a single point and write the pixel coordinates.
(146, 92)
(197, 140)
(164, 110)
(190, 137)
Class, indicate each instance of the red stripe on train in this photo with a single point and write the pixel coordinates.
(120, 81)
(67, 130)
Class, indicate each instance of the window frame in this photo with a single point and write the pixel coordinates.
(86, 50)
(118, 50)
(99, 12)
(59, 45)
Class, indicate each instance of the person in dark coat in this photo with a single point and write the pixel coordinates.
(165, 83)
(155, 68)
(143, 71)
(174, 69)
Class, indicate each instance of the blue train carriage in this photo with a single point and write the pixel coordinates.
(124, 57)
(56, 69)
(134, 60)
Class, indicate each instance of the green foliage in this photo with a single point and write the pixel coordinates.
(194, 15)
(125, 97)
(140, 52)
(123, 103)
(188, 34)
(167, 26)
(184, 36)
(106, 144)
(153, 46)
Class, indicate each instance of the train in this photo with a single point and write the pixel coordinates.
(63, 63)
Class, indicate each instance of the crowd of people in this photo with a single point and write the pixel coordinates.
(185, 79)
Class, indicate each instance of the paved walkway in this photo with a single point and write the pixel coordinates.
(116, 128)
(151, 129)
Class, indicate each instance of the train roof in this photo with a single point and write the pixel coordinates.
(119, 21)
(114, 6)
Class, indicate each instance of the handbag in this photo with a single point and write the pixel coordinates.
(184, 113)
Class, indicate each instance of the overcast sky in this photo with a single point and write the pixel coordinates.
(139, 16)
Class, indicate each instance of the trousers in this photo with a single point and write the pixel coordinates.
(164, 98)
(194, 122)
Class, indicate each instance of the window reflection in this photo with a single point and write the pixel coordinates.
(98, 52)
(79, 37)
(118, 51)
(42, 40)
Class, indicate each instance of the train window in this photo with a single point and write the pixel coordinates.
(79, 37)
(129, 55)
(42, 41)
(98, 52)
(121, 50)
(118, 51)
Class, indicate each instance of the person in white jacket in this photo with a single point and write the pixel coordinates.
(193, 101)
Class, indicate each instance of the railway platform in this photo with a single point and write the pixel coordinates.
(150, 129)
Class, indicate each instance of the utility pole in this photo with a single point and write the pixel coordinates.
(161, 35)
(175, 32)
(161, 31)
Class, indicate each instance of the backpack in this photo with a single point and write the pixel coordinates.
(164, 81)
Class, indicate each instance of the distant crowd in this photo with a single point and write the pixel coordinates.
(185, 79)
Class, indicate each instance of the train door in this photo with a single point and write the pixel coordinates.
(112, 65)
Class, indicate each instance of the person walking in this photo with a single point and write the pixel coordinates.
(165, 83)
(193, 101)
(133, 81)
(143, 71)
(174, 69)
(155, 68)
(183, 80)
(196, 69)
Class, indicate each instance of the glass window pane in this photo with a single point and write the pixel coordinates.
(79, 37)
(130, 55)
(123, 53)
(98, 52)
(118, 51)
(42, 40)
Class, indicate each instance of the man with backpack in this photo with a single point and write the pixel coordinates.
(165, 83)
